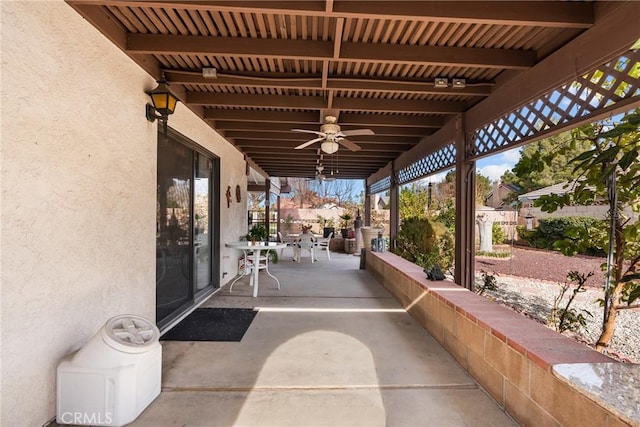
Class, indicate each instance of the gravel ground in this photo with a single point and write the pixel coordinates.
(534, 297)
(541, 264)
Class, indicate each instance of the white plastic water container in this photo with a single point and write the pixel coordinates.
(114, 377)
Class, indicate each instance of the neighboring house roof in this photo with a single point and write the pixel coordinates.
(506, 186)
(561, 188)
(508, 189)
(383, 201)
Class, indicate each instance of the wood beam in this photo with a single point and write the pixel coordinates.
(301, 137)
(539, 13)
(283, 154)
(438, 55)
(384, 172)
(161, 44)
(365, 147)
(405, 86)
(317, 102)
(285, 81)
(260, 101)
(399, 105)
(428, 145)
(261, 116)
(360, 119)
(285, 127)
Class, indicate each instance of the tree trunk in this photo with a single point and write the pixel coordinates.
(609, 326)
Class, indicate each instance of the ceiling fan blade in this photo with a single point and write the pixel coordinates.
(308, 143)
(348, 144)
(356, 132)
(309, 131)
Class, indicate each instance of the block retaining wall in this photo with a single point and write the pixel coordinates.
(510, 356)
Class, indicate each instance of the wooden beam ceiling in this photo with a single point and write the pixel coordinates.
(285, 65)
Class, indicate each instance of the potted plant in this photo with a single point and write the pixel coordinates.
(328, 228)
(345, 217)
(258, 233)
(326, 225)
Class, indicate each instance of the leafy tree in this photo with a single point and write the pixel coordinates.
(483, 188)
(545, 162)
(446, 190)
(609, 169)
(447, 215)
(413, 202)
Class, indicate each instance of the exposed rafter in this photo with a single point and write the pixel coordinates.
(543, 14)
(285, 65)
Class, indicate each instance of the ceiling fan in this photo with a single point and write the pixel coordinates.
(331, 135)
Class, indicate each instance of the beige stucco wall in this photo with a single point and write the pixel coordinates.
(78, 196)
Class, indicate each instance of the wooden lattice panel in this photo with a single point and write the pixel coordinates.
(379, 186)
(442, 159)
(615, 81)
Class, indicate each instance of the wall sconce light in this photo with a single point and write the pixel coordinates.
(164, 103)
(441, 82)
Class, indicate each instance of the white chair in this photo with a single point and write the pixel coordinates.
(323, 244)
(306, 242)
(289, 241)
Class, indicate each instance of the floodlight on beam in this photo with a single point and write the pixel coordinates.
(441, 82)
(458, 83)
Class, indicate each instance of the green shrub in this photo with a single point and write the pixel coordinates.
(497, 234)
(558, 233)
(426, 243)
(494, 254)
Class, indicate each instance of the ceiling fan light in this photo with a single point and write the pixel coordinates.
(329, 147)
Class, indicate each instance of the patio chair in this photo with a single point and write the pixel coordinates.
(323, 244)
(289, 241)
(305, 242)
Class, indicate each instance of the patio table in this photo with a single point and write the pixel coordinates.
(256, 248)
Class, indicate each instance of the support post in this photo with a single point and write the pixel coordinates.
(464, 273)
(267, 202)
(278, 216)
(367, 205)
(394, 211)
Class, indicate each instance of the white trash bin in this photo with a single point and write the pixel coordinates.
(114, 377)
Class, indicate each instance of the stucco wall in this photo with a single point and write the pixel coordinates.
(78, 195)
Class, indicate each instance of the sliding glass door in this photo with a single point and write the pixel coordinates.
(186, 221)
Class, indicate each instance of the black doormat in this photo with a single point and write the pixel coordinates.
(212, 324)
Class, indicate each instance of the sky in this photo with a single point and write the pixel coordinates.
(492, 167)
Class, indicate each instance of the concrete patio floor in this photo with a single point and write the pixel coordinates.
(331, 348)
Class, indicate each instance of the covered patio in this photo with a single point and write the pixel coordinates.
(331, 348)
(103, 209)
